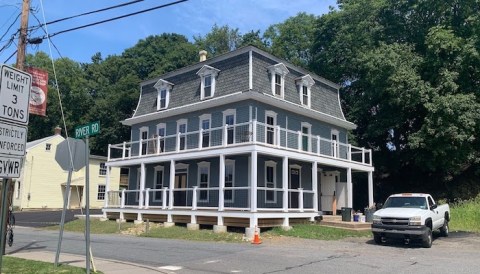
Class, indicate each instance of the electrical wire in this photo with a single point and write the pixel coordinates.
(57, 88)
(18, 16)
(10, 57)
(92, 12)
(115, 18)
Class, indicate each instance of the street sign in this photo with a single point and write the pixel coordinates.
(15, 86)
(13, 139)
(62, 155)
(89, 129)
(10, 166)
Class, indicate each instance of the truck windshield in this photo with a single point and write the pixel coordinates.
(410, 202)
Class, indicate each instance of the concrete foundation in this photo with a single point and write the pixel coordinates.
(219, 229)
(103, 219)
(168, 224)
(191, 226)
(286, 227)
(121, 221)
(138, 222)
(250, 233)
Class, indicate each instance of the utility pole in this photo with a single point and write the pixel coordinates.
(22, 44)
(22, 40)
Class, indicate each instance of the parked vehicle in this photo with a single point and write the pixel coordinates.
(410, 216)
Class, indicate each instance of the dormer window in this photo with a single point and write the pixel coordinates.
(277, 76)
(305, 84)
(163, 87)
(208, 77)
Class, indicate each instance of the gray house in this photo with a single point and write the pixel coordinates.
(244, 139)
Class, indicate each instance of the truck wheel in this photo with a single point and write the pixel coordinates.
(427, 239)
(444, 229)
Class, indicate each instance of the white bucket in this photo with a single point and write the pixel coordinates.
(362, 218)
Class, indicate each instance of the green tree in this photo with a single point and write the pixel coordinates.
(219, 40)
(410, 75)
(292, 39)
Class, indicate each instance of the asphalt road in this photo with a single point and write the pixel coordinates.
(42, 218)
(458, 253)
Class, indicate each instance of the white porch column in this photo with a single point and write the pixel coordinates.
(315, 185)
(285, 183)
(142, 185)
(370, 188)
(171, 185)
(253, 181)
(221, 183)
(107, 189)
(349, 188)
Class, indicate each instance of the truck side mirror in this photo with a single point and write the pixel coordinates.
(433, 207)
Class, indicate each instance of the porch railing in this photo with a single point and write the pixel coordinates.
(233, 135)
(196, 198)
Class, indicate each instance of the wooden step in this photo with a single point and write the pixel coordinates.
(332, 218)
(347, 225)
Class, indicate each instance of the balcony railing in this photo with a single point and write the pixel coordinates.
(214, 198)
(240, 134)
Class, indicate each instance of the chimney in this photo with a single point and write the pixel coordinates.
(58, 130)
(203, 55)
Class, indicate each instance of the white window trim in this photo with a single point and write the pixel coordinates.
(305, 81)
(100, 169)
(272, 164)
(202, 165)
(137, 186)
(281, 70)
(229, 162)
(163, 85)
(104, 192)
(295, 166)
(200, 123)
(309, 126)
(335, 150)
(184, 135)
(156, 169)
(232, 112)
(274, 115)
(159, 126)
(207, 71)
(144, 141)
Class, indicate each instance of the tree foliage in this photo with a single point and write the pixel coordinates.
(410, 71)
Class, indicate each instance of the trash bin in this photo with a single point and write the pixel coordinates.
(346, 214)
(369, 214)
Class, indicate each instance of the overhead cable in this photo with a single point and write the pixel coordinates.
(115, 18)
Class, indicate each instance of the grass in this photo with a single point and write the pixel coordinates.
(18, 265)
(180, 232)
(311, 231)
(96, 226)
(465, 215)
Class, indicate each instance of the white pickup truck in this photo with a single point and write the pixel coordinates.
(410, 216)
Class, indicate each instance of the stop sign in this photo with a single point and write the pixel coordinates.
(78, 149)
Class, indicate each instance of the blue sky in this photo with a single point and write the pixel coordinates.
(191, 18)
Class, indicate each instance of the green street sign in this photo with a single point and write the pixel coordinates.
(89, 129)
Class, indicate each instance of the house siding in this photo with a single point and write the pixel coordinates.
(233, 77)
(324, 98)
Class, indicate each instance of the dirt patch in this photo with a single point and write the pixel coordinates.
(140, 229)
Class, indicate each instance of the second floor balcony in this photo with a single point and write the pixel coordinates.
(242, 134)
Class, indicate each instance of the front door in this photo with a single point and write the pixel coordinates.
(180, 196)
(327, 190)
(294, 184)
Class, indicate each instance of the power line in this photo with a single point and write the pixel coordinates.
(18, 16)
(92, 12)
(115, 18)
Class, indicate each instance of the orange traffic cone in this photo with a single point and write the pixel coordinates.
(256, 238)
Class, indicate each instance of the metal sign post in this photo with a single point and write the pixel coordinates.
(86, 131)
(4, 217)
